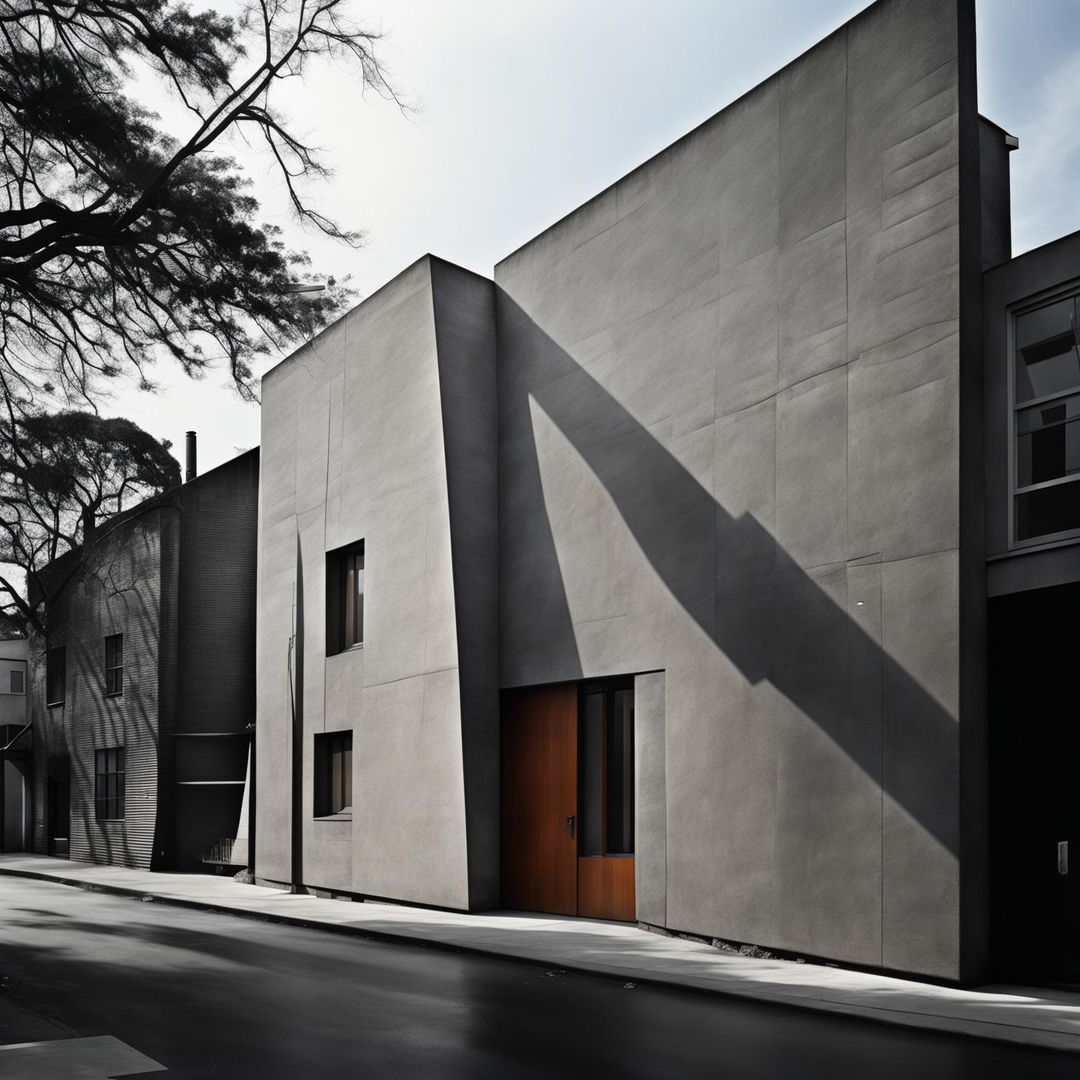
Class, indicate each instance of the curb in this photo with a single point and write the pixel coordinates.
(1057, 1043)
(265, 916)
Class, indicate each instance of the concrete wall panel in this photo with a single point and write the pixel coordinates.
(408, 800)
(812, 305)
(811, 469)
(813, 94)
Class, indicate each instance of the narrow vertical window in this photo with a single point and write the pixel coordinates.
(606, 771)
(354, 598)
(333, 773)
(109, 783)
(345, 598)
(17, 683)
(114, 665)
(55, 675)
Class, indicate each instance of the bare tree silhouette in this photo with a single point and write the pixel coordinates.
(119, 242)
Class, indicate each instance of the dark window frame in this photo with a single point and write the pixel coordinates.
(114, 671)
(333, 775)
(1027, 492)
(345, 590)
(109, 783)
(20, 674)
(56, 676)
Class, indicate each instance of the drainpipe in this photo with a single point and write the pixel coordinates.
(191, 471)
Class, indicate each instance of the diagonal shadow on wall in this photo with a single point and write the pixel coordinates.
(767, 615)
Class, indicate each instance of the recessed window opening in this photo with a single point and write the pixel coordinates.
(1047, 420)
(333, 773)
(114, 665)
(345, 598)
(55, 675)
(16, 681)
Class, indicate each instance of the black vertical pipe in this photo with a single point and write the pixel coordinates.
(251, 805)
(297, 689)
(191, 469)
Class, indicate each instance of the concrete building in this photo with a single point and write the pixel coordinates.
(14, 746)
(649, 579)
(142, 693)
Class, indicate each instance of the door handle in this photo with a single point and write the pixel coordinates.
(570, 825)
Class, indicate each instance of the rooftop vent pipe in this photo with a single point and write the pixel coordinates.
(190, 471)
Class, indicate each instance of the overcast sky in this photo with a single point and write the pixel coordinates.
(524, 109)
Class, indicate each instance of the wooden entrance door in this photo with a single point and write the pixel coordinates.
(562, 746)
(539, 799)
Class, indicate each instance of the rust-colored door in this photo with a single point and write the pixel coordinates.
(539, 799)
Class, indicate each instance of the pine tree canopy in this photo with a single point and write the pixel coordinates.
(61, 475)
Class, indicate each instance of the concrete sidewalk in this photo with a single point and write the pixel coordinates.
(1046, 1018)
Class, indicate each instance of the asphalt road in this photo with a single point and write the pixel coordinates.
(211, 995)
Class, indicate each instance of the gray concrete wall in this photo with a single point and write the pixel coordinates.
(995, 190)
(731, 446)
(464, 310)
(365, 432)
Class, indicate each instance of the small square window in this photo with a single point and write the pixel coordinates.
(17, 682)
(109, 784)
(55, 675)
(333, 773)
(345, 598)
(114, 665)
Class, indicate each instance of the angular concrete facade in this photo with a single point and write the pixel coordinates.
(382, 429)
(719, 430)
(731, 448)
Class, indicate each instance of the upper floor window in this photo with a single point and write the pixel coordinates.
(55, 675)
(114, 664)
(345, 598)
(1047, 420)
(16, 681)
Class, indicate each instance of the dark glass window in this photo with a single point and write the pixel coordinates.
(1047, 361)
(17, 683)
(333, 773)
(109, 783)
(1048, 510)
(345, 598)
(606, 803)
(55, 675)
(1048, 442)
(1048, 433)
(114, 664)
